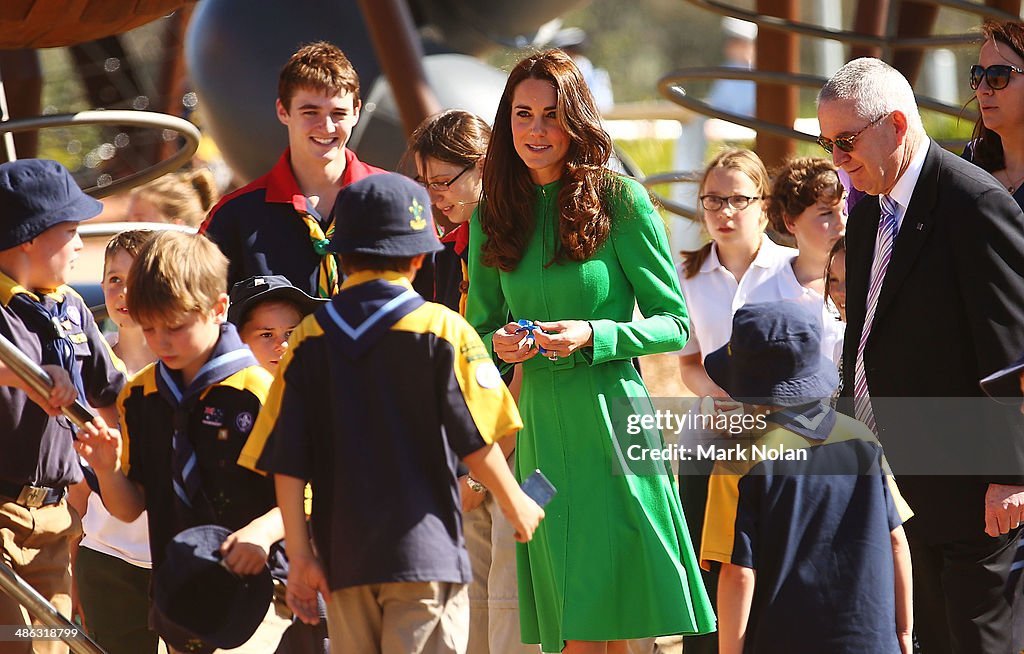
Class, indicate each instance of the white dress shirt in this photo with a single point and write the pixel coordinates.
(713, 295)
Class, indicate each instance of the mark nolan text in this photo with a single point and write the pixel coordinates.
(731, 452)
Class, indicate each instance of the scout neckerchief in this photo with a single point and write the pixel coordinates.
(359, 315)
(459, 238)
(814, 420)
(327, 275)
(50, 317)
(228, 357)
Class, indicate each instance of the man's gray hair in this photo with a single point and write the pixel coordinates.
(875, 88)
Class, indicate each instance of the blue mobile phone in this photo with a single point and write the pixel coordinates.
(538, 488)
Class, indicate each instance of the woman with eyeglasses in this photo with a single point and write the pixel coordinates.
(448, 152)
(564, 242)
(998, 83)
(720, 277)
(717, 280)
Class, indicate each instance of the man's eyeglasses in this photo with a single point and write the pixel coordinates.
(998, 76)
(441, 187)
(845, 143)
(737, 202)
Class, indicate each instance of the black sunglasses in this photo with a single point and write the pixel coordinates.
(998, 75)
(845, 143)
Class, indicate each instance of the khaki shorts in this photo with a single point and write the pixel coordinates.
(399, 618)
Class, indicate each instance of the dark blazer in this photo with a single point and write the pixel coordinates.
(951, 310)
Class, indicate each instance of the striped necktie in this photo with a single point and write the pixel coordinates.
(883, 253)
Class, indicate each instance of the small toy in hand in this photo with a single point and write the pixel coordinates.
(530, 327)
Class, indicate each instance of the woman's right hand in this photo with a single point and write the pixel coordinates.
(511, 347)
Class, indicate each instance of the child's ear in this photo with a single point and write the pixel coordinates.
(219, 312)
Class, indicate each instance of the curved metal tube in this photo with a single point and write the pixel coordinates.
(669, 86)
(857, 38)
(148, 119)
(43, 611)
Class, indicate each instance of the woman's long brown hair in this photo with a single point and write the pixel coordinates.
(507, 210)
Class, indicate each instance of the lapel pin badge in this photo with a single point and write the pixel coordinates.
(920, 227)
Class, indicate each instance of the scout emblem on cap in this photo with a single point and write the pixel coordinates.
(416, 209)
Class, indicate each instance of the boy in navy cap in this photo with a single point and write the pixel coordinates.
(377, 398)
(40, 208)
(804, 520)
(266, 309)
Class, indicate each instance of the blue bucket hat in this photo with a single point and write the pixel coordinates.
(198, 604)
(247, 293)
(386, 215)
(35, 195)
(773, 357)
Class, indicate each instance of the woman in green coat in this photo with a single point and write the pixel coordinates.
(562, 241)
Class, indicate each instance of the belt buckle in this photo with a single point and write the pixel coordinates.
(33, 497)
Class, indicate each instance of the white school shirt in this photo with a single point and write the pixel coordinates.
(713, 295)
(106, 534)
(785, 286)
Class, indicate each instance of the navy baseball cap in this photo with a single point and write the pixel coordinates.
(386, 215)
(35, 195)
(1005, 383)
(247, 293)
(198, 604)
(773, 357)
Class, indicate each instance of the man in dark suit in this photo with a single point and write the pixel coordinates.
(935, 302)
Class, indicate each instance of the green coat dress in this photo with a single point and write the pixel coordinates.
(612, 559)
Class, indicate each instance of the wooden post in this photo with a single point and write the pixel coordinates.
(871, 17)
(776, 51)
(400, 54)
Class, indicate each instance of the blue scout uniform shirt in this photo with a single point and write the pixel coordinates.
(378, 397)
(260, 230)
(817, 531)
(35, 448)
(218, 428)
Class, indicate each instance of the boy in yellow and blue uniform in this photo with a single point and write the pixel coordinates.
(380, 394)
(40, 208)
(806, 521)
(185, 419)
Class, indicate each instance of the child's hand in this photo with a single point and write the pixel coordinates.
(524, 516)
(62, 394)
(100, 446)
(511, 347)
(306, 578)
(245, 552)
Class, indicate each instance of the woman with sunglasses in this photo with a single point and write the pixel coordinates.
(998, 83)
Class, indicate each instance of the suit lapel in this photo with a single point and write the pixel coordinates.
(914, 229)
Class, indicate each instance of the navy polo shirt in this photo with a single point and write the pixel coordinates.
(259, 227)
(218, 427)
(377, 414)
(33, 446)
(817, 531)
